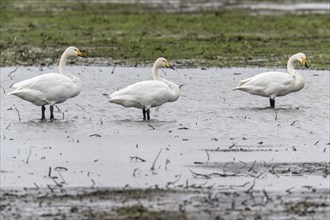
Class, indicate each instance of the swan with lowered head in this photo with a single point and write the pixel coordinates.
(273, 84)
(51, 88)
(147, 94)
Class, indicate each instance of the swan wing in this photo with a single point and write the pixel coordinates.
(266, 84)
(143, 94)
(48, 88)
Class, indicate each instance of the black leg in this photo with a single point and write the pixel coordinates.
(51, 108)
(144, 114)
(272, 103)
(148, 114)
(43, 108)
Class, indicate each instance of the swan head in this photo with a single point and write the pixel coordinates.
(162, 63)
(73, 51)
(301, 57)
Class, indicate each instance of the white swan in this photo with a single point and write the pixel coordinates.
(147, 94)
(51, 88)
(273, 84)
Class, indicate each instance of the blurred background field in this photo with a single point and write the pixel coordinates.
(191, 33)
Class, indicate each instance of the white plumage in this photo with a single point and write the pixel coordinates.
(147, 94)
(50, 88)
(274, 84)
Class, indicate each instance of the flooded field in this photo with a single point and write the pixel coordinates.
(214, 153)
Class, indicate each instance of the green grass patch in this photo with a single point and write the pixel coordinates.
(130, 34)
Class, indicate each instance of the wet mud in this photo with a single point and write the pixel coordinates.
(213, 154)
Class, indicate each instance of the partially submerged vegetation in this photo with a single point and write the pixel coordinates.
(87, 203)
(37, 34)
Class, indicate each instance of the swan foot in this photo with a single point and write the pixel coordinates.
(272, 103)
(146, 114)
(43, 108)
(51, 108)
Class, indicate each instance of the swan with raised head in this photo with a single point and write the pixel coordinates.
(274, 84)
(147, 94)
(51, 88)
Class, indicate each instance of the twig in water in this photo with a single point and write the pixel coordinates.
(8, 126)
(293, 123)
(208, 156)
(276, 115)
(13, 71)
(51, 188)
(113, 70)
(27, 159)
(164, 72)
(95, 135)
(233, 145)
(316, 143)
(266, 195)
(254, 162)
(58, 109)
(243, 185)
(166, 163)
(251, 187)
(60, 168)
(36, 186)
(57, 183)
(208, 176)
(153, 128)
(171, 183)
(134, 172)
(19, 116)
(202, 175)
(137, 158)
(49, 171)
(289, 190)
(4, 92)
(80, 106)
(153, 164)
(245, 164)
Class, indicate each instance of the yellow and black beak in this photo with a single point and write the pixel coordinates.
(168, 65)
(81, 54)
(304, 62)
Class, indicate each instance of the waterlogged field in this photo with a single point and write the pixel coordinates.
(214, 153)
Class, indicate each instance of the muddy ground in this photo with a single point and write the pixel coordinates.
(213, 154)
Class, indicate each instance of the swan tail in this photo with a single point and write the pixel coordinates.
(15, 92)
(241, 84)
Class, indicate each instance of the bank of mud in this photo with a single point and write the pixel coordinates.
(189, 203)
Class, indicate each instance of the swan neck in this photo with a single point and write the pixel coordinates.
(62, 66)
(290, 67)
(155, 74)
(299, 81)
(63, 61)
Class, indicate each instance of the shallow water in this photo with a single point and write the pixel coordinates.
(209, 129)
